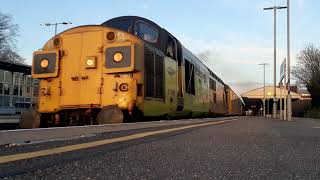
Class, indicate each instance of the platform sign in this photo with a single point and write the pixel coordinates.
(283, 69)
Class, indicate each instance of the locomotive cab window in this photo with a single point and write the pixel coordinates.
(171, 48)
(122, 25)
(146, 32)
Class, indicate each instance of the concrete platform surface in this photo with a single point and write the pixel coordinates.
(48, 134)
(246, 148)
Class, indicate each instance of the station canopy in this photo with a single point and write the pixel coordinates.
(15, 67)
(258, 93)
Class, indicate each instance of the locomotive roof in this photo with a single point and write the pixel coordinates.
(190, 54)
(134, 18)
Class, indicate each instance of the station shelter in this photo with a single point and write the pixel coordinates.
(17, 88)
(254, 99)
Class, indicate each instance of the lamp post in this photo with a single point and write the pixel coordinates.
(264, 87)
(288, 58)
(274, 8)
(56, 25)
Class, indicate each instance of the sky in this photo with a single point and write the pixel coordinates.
(230, 36)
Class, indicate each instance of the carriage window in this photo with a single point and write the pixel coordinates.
(212, 84)
(146, 32)
(122, 25)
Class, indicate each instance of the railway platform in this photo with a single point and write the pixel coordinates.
(222, 148)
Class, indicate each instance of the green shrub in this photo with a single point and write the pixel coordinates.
(314, 113)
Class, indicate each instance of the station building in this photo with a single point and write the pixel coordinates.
(253, 99)
(17, 89)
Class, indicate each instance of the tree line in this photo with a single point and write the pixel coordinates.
(307, 71)
(8, 34)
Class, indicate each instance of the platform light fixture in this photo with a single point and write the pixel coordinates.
(274, 8)
(264, 87)
(55, 25)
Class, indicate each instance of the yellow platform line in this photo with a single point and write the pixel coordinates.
(29, 155)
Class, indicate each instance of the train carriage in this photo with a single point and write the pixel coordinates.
(119, 71)
(234, 102)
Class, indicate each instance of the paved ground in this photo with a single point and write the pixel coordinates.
(251, 148)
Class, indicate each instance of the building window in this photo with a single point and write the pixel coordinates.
(16, 84)
(8, 77)
(2, 75)
(6, 89)
(147, 32)
(28, 86)
(6, 82)
(1, 81)
(1, 88)
(16, 90)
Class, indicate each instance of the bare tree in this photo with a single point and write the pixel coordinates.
(8, 34)
(307, 71)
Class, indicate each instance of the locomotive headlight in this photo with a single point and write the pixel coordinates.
(90, 62)
(44, 63)
(117, 57)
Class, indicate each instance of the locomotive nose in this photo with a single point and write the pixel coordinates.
(86, 69)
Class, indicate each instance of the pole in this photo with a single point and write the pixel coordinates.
(268, 104)
(55, 29)
(264, 89)
(55, 26)
(288, 56)
(280, 84)
(285, 99)
(274, 63)
(274, 8)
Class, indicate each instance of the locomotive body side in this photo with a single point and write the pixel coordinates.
(235, 104)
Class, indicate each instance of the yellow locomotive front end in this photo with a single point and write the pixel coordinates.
(88, 75)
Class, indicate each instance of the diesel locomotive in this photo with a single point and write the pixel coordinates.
(122, 70)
